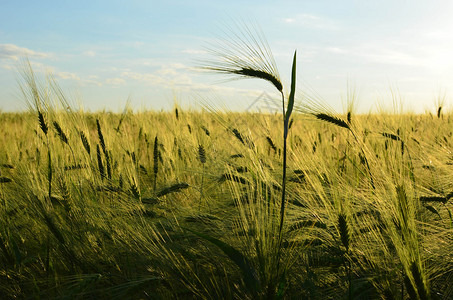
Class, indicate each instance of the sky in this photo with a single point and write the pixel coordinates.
(109, 54)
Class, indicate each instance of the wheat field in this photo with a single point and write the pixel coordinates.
(185, 204)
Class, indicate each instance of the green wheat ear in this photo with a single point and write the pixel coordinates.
(85, 142)
(201, 154)
(101, 136)
(246, 55)
(61, 133)
(42, 122)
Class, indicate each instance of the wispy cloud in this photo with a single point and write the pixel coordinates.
(175, 74)
(67, 75)
(11, 51)
(86, 80)
(115, 81)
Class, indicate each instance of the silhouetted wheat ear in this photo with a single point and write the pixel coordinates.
(395, 138)
(348, 117)
(434, 199)
(4, 179)
(140, 134)
(108, 158)
(101, 136)
(439, 112)
(42, 122)
(391, 136)
(201, 154)
(60, 132)
(100, 164)
(249, 72)
(172, 189)
(75, 167)
(271, 143)
(8, 166)
(179, 153)
(85, 142)
(206, 130)
(143, 169)
(133, 157)
(238, 135)
(344, 230)
(232, 177)
(176, 113)
(332, 119)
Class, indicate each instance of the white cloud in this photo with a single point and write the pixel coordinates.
(174, 74)
(144, 77)
(89, 80)
(11, 51)
(67, 75)
(115, 81)
(85, 82)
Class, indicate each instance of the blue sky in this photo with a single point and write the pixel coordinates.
(105, 52)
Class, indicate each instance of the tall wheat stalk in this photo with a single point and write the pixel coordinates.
(247, 55)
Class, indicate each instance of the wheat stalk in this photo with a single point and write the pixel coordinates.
(247, 55)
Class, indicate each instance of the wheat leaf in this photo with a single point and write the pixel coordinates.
(293, 90)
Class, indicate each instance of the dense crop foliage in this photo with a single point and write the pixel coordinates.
(187, 205)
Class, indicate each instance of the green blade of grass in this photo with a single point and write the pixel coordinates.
(292, 93)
